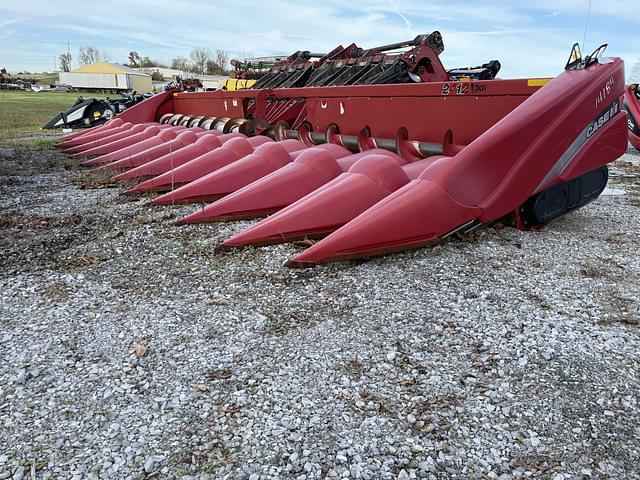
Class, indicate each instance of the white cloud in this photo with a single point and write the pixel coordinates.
(473, 33)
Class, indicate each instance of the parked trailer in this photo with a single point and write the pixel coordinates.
(101, 81)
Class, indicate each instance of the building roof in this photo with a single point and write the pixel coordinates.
(102, 67)
(164, 71)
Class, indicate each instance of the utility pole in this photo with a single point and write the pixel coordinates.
(68, 52)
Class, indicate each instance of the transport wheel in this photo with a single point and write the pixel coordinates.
(108, 113)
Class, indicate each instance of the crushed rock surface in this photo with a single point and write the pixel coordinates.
(130, 349)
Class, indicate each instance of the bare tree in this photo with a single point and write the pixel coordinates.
(134, 59)
(146, 62)
(199, 57)
(89, 55)
(222, 59)
(214, 69)
(180, 63)
(65, 61)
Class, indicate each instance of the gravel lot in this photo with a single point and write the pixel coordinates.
(130, 349)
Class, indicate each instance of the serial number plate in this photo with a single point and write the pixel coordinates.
(463, 88)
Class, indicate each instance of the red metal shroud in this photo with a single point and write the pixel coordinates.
(205, 164)
(67, 139)
(632, 106)
(123, 143)
(100, 146)
(183, 139)
(205, 143)
(373, 177)
(165, 135)
(386, 109)
(242, 172)
(93, 139)
(320, 161)
(301, 177)
(175, 159)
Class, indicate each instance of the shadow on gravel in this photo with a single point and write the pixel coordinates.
(32, 241)
(24, 160)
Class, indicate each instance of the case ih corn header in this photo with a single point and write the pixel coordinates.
(373, 151)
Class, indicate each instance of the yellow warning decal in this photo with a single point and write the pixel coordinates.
(537, 82)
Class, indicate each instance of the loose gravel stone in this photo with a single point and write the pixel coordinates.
(129, 348)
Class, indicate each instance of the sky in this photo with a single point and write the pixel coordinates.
(530, 38)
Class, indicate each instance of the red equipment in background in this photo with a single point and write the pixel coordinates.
(380, 152)
(632, 107)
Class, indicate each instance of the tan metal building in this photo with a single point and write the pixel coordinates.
(107, 76)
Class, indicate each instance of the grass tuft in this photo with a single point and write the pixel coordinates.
(26, 111)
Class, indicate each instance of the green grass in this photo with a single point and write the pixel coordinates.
(25, 112)
(44, 78)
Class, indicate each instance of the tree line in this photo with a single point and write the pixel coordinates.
(201, 60)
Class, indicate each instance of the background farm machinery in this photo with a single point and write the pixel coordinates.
(416, 62)
(9, 82)
(90, 112)
(632, 107)
(253, 68)
(373, 150)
